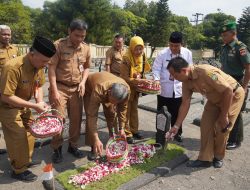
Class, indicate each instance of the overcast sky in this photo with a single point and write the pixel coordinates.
(185, 7)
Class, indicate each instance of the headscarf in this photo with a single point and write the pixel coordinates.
(136, 62)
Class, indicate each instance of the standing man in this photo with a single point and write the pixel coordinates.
(68, 73)
(7, 52)
(21, 78)
(171, 89)
(114, 55)
(224, 96)
(235, 60)
(113, 93)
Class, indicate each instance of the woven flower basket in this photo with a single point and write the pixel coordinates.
(47, 124)
(117, 149)
(148, 89)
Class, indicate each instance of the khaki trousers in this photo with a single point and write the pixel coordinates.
(109, 113)
(132, 124)
(19, 142)
(70, 100)
(213, 140)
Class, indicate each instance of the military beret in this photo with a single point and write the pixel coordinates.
(230, 26)
(44, 46)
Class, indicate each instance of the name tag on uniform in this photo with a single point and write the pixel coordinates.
(81, 68)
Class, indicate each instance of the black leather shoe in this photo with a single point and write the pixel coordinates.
(178, 138)
(199, 164)
(232, 146)
(3, 151)
(57, 155)
(91, 156)
(75, 152)
(34, 163)
(217, 163)
(130, 140)
(26, 176)
(138, 136)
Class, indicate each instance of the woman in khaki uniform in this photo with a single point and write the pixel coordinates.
(132, 70)
(21, 78)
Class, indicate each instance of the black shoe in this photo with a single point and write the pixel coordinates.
(34, 163)
(92, 155)
(57, 155)
(75, 152)
(26, 176)
(3, 151)
(232, 146)
(130, 140)
(199, 164)
(138, 136)
(178, 138)
(217, 163)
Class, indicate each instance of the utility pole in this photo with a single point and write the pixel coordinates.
(196, 18)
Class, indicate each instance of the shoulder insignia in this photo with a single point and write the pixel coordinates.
(243, 51)
(213, 76)
(239, 43)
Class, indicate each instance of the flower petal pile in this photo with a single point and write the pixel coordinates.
(136, 155)
(46, 127)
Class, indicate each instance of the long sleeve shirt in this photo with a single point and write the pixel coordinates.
(170, 88)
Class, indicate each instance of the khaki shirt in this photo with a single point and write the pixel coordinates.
(114, 59)
(97, 87)
(20, 78)
(209, 81)
(7, 53)
(70, 61)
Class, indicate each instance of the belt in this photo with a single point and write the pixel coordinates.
(236, 87)
(73, 85)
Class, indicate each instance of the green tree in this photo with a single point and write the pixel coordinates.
(56, 17)
(126, 23)
(15, 15)
(138, 7)
(244, 27)
(157, 30)
(212, 25)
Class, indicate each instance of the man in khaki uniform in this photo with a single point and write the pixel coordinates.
(7, 51)
(68, 73)
(114, 55)
(225, 97)
(113, 93)
(21, 78)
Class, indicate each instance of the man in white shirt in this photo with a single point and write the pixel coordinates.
(171, 89)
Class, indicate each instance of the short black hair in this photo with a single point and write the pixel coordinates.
(177, 64)
(78, 24)
(119, 36)
(175, 37)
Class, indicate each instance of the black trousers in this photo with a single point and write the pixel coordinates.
(173, 105)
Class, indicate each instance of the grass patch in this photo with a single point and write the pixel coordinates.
(115, 180)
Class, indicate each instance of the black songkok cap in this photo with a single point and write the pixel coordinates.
(176, 37)
(44, 46)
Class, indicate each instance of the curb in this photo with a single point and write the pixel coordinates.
(157, 172)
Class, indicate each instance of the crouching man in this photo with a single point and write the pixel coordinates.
(113, 93)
